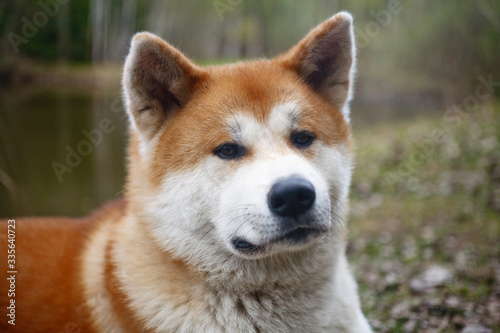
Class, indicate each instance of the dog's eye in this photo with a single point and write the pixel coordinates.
(229, 151)
(302, 139)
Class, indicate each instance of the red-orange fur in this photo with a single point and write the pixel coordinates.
(48, 283)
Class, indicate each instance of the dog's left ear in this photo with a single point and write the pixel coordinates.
(325, 60)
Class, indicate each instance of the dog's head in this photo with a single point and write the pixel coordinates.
(249, 159)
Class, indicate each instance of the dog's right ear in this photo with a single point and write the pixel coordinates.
(157, 81)
(325, 60)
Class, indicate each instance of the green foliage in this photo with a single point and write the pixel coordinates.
(49, 32)
(453, 43)
(453, 40)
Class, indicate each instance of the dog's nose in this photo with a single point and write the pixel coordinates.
(291, 197)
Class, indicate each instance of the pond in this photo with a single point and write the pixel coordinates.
(61, 150)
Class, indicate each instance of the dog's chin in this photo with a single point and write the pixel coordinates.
(293, 240)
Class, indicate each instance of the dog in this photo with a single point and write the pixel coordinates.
(234, 213)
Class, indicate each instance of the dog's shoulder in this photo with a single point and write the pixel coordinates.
(41, 247)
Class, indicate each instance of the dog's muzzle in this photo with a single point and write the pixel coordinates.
(289, 200)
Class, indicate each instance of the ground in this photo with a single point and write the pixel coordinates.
(425, 223)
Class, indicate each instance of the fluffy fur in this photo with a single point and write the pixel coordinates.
(164, 258)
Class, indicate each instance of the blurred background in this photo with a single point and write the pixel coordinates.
(425, 212)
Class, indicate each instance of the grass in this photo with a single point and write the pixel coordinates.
(425, 224)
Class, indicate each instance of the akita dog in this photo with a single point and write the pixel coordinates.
(234, 217)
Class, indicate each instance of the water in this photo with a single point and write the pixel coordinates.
(39, 128)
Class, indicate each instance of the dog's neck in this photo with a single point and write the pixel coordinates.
(176, 281)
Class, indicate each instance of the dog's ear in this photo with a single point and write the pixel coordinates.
(157, 81)
(325, 60)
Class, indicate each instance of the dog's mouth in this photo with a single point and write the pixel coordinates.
(245, 247)
(295, 236)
